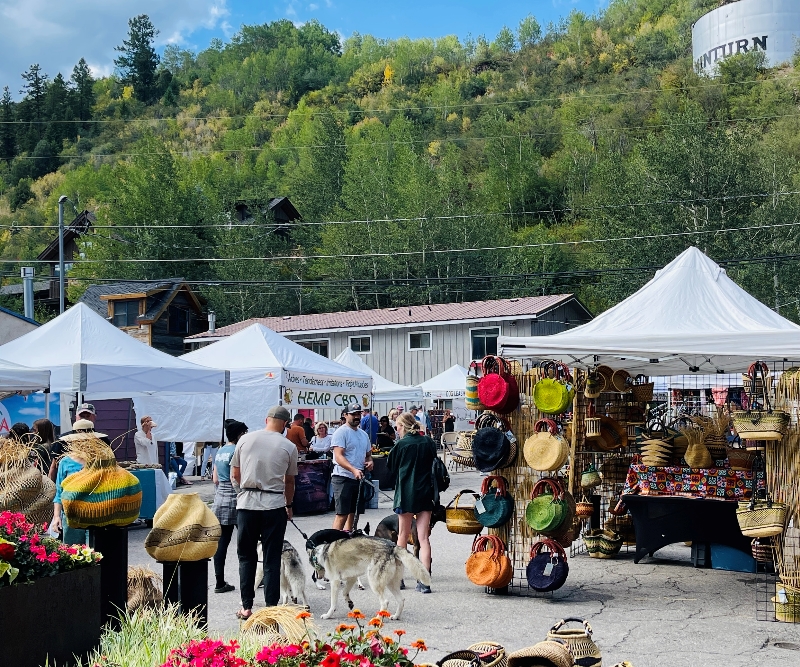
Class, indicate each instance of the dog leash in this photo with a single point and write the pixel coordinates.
(305, 537)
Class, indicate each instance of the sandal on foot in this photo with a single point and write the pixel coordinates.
(242, 616)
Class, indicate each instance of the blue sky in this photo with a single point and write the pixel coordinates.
(56, 34)
(412, 18)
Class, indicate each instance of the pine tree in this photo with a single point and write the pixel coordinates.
(31, 109)
(8, 139)
(83, 99)
(139, 60)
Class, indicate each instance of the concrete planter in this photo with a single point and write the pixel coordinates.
(51, 619)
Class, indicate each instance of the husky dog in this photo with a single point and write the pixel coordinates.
(389, 528)
(293, 576)
(345, 560)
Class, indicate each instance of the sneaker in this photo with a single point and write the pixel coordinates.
(422, 588)
(225, 588)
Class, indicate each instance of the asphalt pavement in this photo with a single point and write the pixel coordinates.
(660, 612)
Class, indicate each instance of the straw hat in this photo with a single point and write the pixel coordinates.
(543, 654)
(184, 529)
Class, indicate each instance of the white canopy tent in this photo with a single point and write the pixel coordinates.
(383, 390)
(83, 353)
(690, 318)
(14, 377)
(451, 383)
(265, 369)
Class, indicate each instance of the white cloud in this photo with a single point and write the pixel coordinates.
(56, 34)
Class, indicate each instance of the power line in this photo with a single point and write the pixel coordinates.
(433, 281)
(416, 107)
(410, 142)
(433, 218)
(411, 253)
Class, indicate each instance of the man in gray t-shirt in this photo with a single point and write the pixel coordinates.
(352, 454)
(263, 466)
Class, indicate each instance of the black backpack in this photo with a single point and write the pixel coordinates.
(441, 478)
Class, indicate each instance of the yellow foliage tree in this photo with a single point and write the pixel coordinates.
(388, 75)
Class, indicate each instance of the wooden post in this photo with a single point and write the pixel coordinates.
(574, 443)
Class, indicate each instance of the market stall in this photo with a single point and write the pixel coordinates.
(87, 358)
(449, 386)
(585, 431)
(383, 390)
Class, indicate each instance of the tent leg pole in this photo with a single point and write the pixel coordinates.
(47, 404)
(574, 443)
(224, 414)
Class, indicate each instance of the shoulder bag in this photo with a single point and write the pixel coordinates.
(553, 394)
(461, 520)
(497, 389)
(546, 450)
(496, 505)
(547, 570)
(488, 565)
(760, 423)
(471, 395)
(547, 508)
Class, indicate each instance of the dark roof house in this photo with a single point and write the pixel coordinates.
(160, 313)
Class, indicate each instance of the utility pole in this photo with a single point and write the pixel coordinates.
(27, 290)
(61, 201)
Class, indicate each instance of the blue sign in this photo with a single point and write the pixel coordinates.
(28, 409)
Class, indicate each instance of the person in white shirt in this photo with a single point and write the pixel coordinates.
(146, 448)
(321, 442)
(352, 456)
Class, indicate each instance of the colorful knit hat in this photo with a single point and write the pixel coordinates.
(102, 494)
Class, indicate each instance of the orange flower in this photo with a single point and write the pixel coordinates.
(399, 633)
(383, 613)
(388, 640)
(303, 615)
(372, 633)
(350, 627)
(419, 645)
(356, 613)
(376, 623)
(342, 627)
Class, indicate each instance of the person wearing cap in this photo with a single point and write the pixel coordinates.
(146, 448)
(225, 500)
(352, 455)
(84, 413)
(263, 466)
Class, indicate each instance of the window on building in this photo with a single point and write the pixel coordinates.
(361, 344)
(484, 341)
(443, 403)
(179, 320)
(419, 340)
(126, 312)
(318, 346)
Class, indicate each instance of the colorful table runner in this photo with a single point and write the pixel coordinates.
(711, 483)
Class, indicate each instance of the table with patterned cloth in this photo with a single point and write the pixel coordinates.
(709, 483)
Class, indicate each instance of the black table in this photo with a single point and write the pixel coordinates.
(311, 486)
(663, 520)
(380, 471)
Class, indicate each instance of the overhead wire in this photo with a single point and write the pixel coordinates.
(409, 142)
(433, 218)
(431, 251)
(410, 107)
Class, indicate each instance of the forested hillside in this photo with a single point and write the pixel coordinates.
(573, 157)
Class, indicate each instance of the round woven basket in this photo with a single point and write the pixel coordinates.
(491, 654)
(543, 654)
(620, 381)
(465, 658)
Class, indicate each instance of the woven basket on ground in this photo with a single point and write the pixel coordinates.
(281, 620)
(543, 654)
(465, 658)
(144, 588)
(490, 653)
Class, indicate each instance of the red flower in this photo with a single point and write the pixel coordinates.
(331, 660)
(7, 551)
